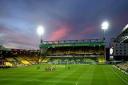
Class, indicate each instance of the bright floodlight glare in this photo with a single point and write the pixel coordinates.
(111, 51)
(40, 30)
(105, 25)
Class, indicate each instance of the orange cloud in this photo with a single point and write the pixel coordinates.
(61, 33)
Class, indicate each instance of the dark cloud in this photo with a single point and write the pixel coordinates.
(80, 19)
(16, 37)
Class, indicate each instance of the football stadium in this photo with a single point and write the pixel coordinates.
(68, 62)
(58, 59)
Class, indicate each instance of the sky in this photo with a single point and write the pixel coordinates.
(61, 19)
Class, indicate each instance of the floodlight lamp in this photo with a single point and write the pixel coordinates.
(40, 30)
(105, 25)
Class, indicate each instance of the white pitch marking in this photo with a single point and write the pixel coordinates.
(76, 83)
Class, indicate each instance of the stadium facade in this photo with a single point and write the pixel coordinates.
(74, 49)
(119, 46)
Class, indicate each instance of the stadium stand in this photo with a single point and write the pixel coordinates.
(10, 62)
(20, 57)
(74, 50)
(123, 66)
(57, 52)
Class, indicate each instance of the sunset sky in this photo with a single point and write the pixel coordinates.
(62, 20)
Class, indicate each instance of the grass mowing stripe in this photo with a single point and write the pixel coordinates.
(112, 79)
(118, 75)
(77, 75)
(59, 78)
(121, 73)
(86, 76)
(72, 77)
(52, 79)
(40, 76)
(99, 77)
(84, 70)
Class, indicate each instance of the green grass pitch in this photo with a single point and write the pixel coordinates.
(76, 75)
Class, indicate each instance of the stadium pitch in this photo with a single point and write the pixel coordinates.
(76, 75)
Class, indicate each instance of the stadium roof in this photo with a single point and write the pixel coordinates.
(125, 28)
(123, 36)
(67, 43)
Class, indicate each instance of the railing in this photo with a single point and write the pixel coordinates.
(87, 42)
(71, 41)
